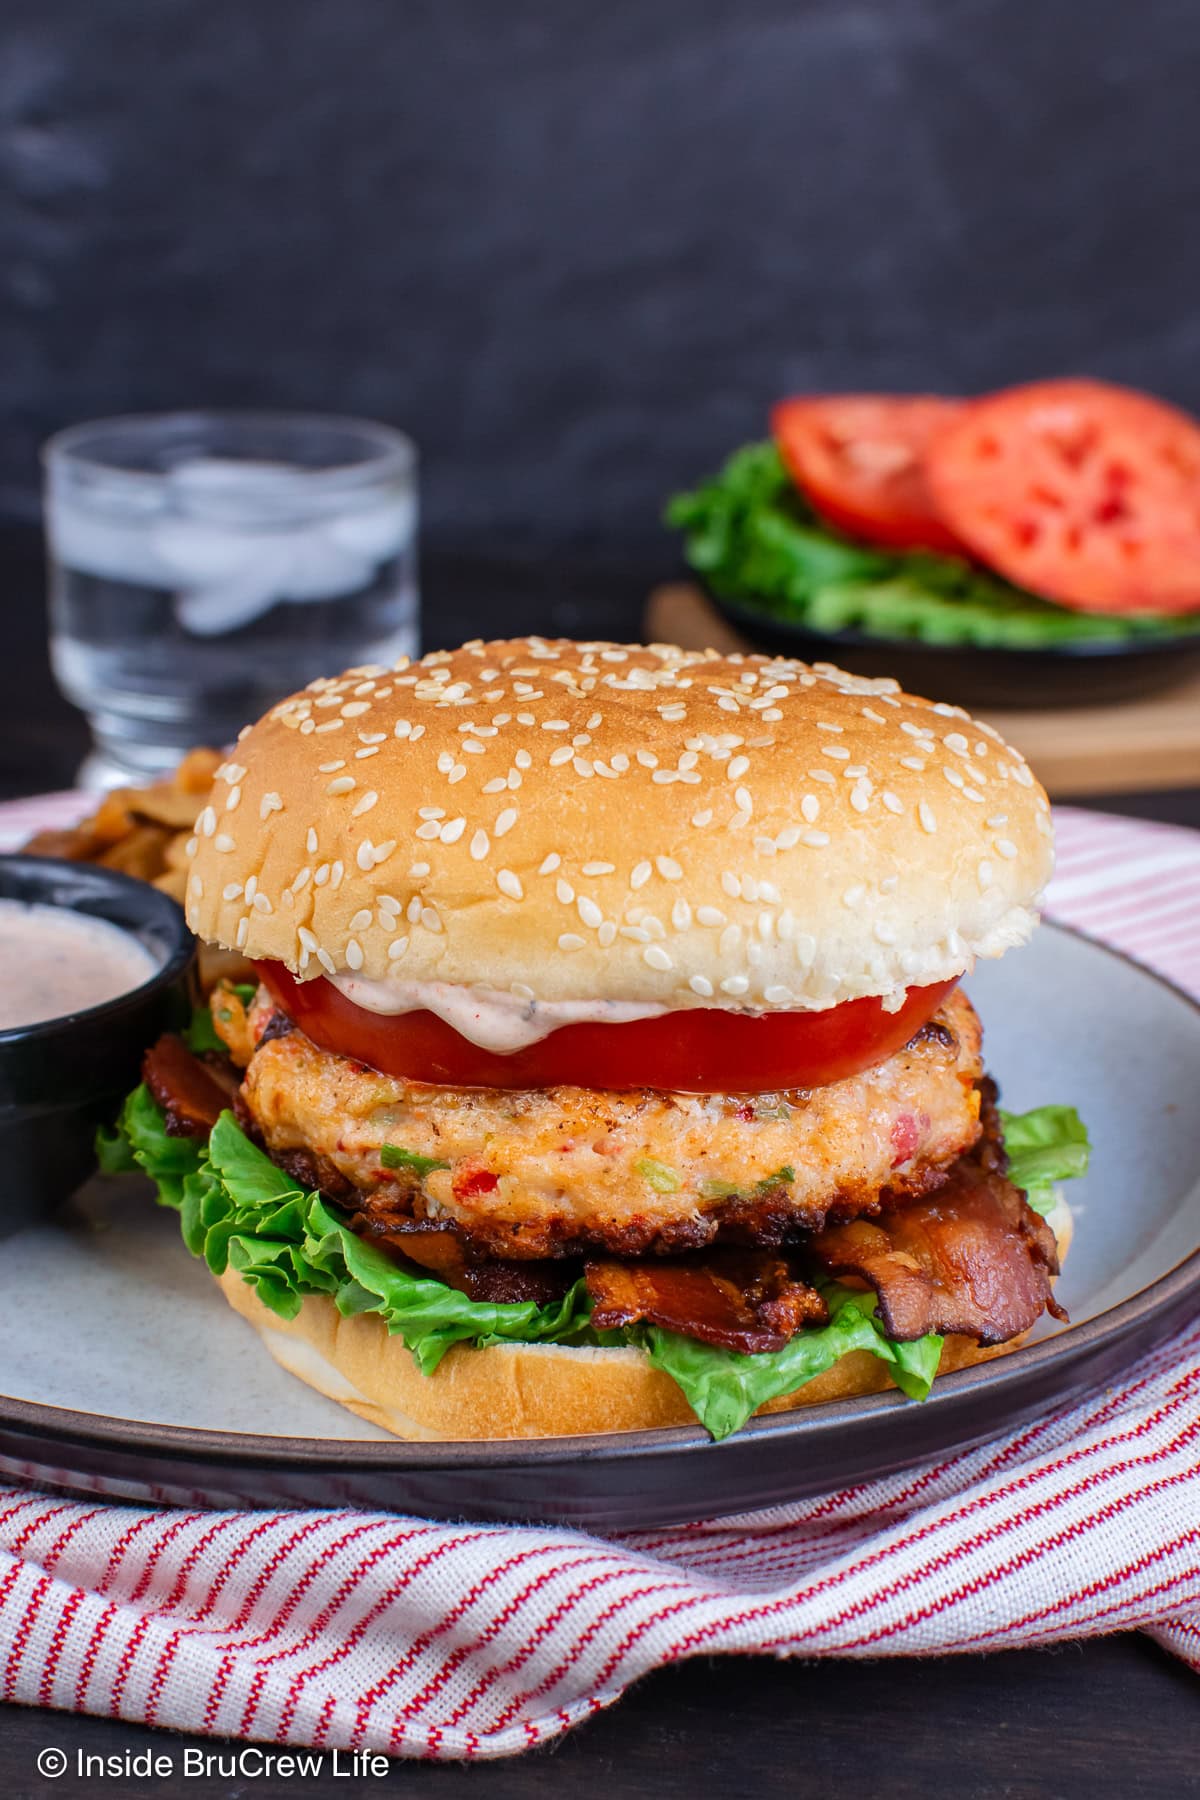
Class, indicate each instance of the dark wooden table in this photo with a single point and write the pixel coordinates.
(1111, 1719)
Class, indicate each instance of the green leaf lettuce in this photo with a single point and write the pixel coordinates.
(238, 1210)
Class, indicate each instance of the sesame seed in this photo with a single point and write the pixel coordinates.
(301, 881)
(508, 884)
(656, 957)
(223, 842)
(860, 799)
(985, 873)
(341, 784)
(233, 891)
(606, 933)
(824, 725)
(737, 768)
(700, 984)
(206, 824)
(354, 709)
(640, 875)
(480, 845)
(729, 940)
(635, 933)
(1006, 848)
(668, 868)
(815, 840)
(268, 804)
(998, 819)
(734, 984)
(912, 762)
(777, 995)
(330, 768)
(571, 940)
(361, 920)
(681, 915)
(431, 919)
(710, 915)
(701, 819)
(232, 798)
(853, 896)
(564, 891)
(243, 931)
(365, 854)
(251, 889)
(505, 822)
(955, 740)
(926, 816)
(952, 776)
(453, 830)
(589, 912)
(598, 868)
(326, 962)
(551, 863)
(396, 948)
(364, 804)
(564, 754)
(824, 775)
(837, 751)
(354, 955)
(893, 804)
(380, 853)
(430, 829)
(731, 884)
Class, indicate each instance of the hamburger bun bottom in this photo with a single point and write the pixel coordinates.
(509, 1391)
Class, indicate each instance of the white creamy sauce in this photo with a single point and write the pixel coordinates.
(494, 1021)
(55, 961)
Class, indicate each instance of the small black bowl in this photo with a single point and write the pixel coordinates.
(61, 1078)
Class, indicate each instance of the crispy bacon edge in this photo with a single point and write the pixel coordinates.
(973, 1258)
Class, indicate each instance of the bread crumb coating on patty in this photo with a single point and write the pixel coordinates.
(551, 1171)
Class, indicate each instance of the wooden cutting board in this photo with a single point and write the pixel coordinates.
(1134, 745)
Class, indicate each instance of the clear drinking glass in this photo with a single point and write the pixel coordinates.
(204, 564)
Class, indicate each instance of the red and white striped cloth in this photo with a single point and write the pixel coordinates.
(381, 1632)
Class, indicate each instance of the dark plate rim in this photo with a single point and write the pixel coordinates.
(247, 1451)
(745, 612)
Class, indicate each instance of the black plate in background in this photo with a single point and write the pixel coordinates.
(1053, 676)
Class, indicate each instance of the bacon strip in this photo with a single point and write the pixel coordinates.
(971, 1258)
(192, 1094)
(437, 1247)
(739, 1300)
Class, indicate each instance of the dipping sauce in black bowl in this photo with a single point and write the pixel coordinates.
(61, 1076)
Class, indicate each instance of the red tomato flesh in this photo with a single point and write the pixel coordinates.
(699, 1050)
(859, 459)
(1085, 493)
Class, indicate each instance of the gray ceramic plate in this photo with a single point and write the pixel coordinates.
(126, 1373)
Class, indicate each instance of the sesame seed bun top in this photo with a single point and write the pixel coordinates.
(568, 822)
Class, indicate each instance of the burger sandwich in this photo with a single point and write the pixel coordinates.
(605, 1064)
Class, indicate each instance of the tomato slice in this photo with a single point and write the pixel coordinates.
(698, 1050)
(858, 458)
(1085, 493)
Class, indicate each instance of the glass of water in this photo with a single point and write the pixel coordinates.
(204, 564)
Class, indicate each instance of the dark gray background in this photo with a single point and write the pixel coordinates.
(577, 248)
